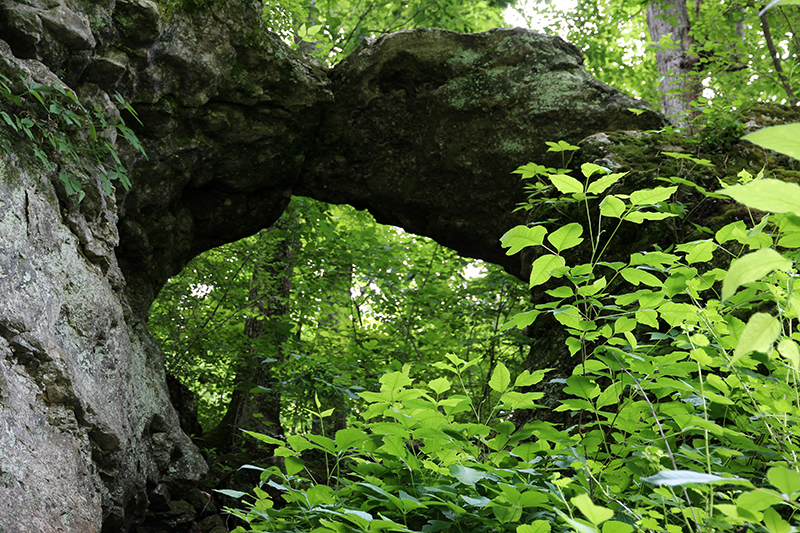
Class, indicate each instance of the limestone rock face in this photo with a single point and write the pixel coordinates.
(423, 128)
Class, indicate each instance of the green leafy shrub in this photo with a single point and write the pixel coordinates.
(685, 405)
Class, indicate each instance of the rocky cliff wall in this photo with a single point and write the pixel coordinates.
(421, 127)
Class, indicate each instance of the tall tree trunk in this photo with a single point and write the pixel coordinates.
(255, 403)
(679, 84)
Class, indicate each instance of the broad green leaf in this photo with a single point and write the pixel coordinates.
(543, 266)
(788, 349)
(674, 478)
(561, 146)
(758, 500)
(610, 396)
(652, 196)
(698, 251)
(600, 185)
(612, 207)
(299, 443)
(521, 320)
(570, 316)
(752, 267)
(520, 237)
(501, 378)
(784, 138)
(587, 169)
(774, 522)
(566, 184)
(595, 513)
(615, 526)
(231, 493)
(759, 334)
(394, 381)
(785, 480)
(263, 438)
(520, 400)
(466, 475)
(537, 526)
(590, 290)
(526, 379)
(348, 437)
(734, 231)
(480, 501)
(566, 236)
(439, 385)
(582, 387)
(767, 194)
(294, 465)
(560, 292)
(637, 217)
(636, 276)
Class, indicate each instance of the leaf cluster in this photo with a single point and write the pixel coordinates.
(61, 132)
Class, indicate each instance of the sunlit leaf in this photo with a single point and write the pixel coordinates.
(595, 513)
(752, 267)
(612, 207)
(566, 184)
(785, 480)
(774, 522)
(543, 266)
(520, 237)
(759, 335)
(501, 378)
(784, 138)
(466, 475)
(684, 477)
(566, 237)
(767, 194)
(521, 320)
(652, 196)
(439, 385)
(600, 185)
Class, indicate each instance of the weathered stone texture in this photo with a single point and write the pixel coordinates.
(428, 125)
(422, 127)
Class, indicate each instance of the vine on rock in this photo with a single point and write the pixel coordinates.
(62, 132)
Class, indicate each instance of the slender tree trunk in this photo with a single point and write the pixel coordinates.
(255, 403)
(679, 84)
(776, 61)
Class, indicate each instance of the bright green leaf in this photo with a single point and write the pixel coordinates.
(784, 138)
(520, 237)
(788, 349)
(439, 385)
(785, 480)
(595, 513)
(600, 185)
(612, 207)
(759, 334)
(466, 475)
(537, 526)
(543, 266)
(774, 522)
(771, 195)
(652, 196)
(501, 378)
(566, 184)
(752, 267)
(566, 236)
(636, 276)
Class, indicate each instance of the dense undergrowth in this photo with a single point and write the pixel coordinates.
(684, 411)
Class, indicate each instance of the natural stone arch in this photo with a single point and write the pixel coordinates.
(423, 128)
